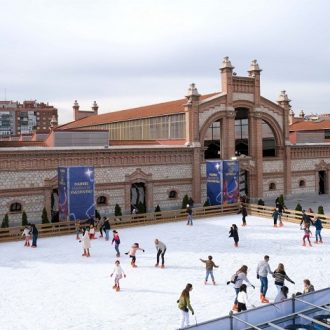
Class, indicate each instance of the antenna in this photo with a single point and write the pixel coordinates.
(5, 94)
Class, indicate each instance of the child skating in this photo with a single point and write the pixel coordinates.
(116, 240)
(132, 253)
(307, 234)
(209, 268)
(27, 234)
(233, 232)
(119, 273)
(86, 243)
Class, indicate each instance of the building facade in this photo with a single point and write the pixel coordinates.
(24, 118)
(157, 154)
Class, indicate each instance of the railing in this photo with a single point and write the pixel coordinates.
(69, 227)
(287, 215)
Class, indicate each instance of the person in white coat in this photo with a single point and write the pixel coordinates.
(86, 243)
(242, 299)
(161, 249)
(27, 234)
(263, 270)
(119, 273)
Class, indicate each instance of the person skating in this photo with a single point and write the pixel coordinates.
(161, 249)
(189, 215)
(119, 273)
(318, 227)
(280, 209)
(35, 233)
(107, 228)
(242, 299)
(279, 276)
(92, 232)
(77, 229)
(263, 269)
(305, 218)
(275, 216)
(209, 264)
(100, 227)
(282, 294)
(116, 240)
(27, 235)
(86, 243)
(307, 234)
(184, 305)
(239, 277)
(244, 215)
(233, 232)
(132, 253)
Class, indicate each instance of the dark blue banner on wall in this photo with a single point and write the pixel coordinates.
(214, 181)
(230, 181)
(77, 193)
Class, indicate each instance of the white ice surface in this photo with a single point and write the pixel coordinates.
(54, 287)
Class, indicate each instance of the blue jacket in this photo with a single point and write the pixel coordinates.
(318, 224)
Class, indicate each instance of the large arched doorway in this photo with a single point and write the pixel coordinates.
(268, 140)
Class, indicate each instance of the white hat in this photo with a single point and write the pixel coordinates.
(187, 205)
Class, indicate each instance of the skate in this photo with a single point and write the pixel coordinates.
(84, 255)
(156, 265)
(162, 266)
(275, 226)
(310, 244)
(263, 299)
(316, 242)
(28, 243)
(25, 244)
(304, 244)
(281, 224)
(321, 241)
(88, 255)
(214, 283)
(236, 244)
(117, 288)
(205, 282)
(118, 255)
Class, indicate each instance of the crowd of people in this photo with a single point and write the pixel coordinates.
(86, 232)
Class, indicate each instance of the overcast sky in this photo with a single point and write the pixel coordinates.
(130, 53)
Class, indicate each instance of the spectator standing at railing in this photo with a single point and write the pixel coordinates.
(35, 233)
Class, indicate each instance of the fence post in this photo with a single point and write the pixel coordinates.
(294, 308)
(231, 320)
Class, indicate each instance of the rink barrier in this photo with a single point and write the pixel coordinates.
(287, 215)
(298, 312)
(69, 227)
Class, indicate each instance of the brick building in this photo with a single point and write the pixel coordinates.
(24, 118)
(156, 154)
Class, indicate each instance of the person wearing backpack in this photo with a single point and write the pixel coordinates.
(237, 279)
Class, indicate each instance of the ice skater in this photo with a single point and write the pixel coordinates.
(92, 232)
(318, 227)
(161, 249)
(242, 299)
(237, 280)
(119, 273)
(184, 305)
(209, 264)
(86, 243)
(116, 240)
(307, 234)
(233, 232)
(263, 270)
(279, 276)
(244, 215)
(275, 216)
(189, 215)
(132, 252)
(27, 234)
(35, 233)
(77, 229)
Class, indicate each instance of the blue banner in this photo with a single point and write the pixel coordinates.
(230, 181)
(77, 194)
(214, 182)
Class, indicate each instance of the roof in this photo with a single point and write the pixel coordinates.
(310, 125)
(153, 110)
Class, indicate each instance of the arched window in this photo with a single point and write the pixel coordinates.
(212, 141)
(15, 207)
(302, 184)
(268, 141)
(172, 194)
(241, 131)
(272, 186)
(101, 200)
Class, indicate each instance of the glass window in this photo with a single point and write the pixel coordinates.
(268, 141)
(101, 200)
(327, 133)
(15, 207)
(272, 186)
(173, 194)
(302, 184)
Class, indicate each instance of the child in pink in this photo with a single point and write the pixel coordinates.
(26, 233)
(132, 253)
(307, 234)
(119, 272)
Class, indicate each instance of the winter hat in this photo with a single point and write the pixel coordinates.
(187, 205)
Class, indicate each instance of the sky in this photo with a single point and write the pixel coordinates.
(129, 53)
(53, 287)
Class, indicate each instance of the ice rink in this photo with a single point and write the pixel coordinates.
(54, 287)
